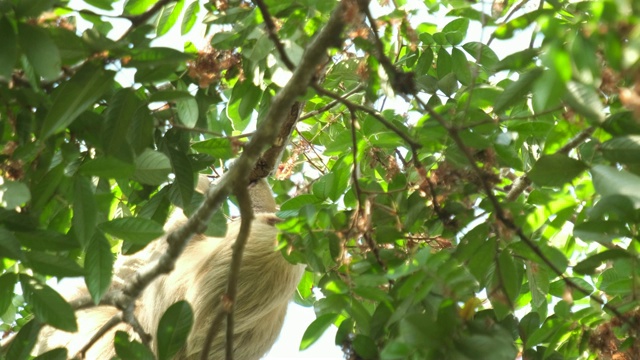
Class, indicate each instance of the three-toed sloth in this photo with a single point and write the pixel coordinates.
(266, 284)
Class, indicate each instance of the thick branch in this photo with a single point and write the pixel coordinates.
(267, 133)
(267, 162)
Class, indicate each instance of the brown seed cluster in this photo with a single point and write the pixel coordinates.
(607, 343)
(212, 65)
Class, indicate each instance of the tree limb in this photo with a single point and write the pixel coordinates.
(266, 135)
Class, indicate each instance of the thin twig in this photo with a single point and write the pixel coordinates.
(364, 212)
(138, 20)
(331, 104)
(246, 216)
(266, 134)
(505, 219)
(522, 182)
(110, 324)
(209, 132)
(372, 112)
(272, 32)
(268, 160)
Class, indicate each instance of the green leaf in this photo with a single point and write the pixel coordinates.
(623, 149)
(119, 116)
(365, 347)
(559, 288)
(217, 226)
(101, 4)
(20, 347)
(168, 17)
(508, 276)
(190, 17)
(85, 210)
(9, 53)
(614, 207)
(244, 98)
(506, 30)
(517, 61)
(395, 350)
(556, 170)
(187, 111)
(456, 30)
(107, 167)
(219, 148)
(588, 266)
(137, 7)
(49, 264)
(325, 187)
(48, 306)
(448, 84)
(548, 91)
(76, 96)
(32, 8)
(72, 48)
(316, 329)
(41, 51)
(443, 63)
(184, 176)
(131, 350)
(169, 95)
(32, 239)
(135, 230)
(157, 56)
(298, 202)
(538, 278)
(55, 354)
(9, 245)
(7, 284)
(14, 194)
(140, 135)
(517, 91)
(609, 181)
(461, 66)
(482, 53)
(98, 263)
(602, 231)
(152, 167)
(584, 100)
(174, 329)
(424, 62)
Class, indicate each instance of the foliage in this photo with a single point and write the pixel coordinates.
(488, 209)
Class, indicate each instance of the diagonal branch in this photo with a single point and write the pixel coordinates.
(267, 133)
(272, 32)
(502, 216)
(521, 183)
(246, 216)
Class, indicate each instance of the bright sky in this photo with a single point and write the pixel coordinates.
(298, 317)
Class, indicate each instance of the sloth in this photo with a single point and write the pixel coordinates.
(266, 284)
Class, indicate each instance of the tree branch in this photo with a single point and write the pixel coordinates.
(266, 135)
(374, 113)
(521, 183)
(272, 32)
(505, 219)
(115, 320)
(268, 160)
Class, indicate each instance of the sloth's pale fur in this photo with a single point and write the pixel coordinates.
(266, 284)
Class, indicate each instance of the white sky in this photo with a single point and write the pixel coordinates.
(298, 317)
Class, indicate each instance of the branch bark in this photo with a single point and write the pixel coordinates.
(267, 135)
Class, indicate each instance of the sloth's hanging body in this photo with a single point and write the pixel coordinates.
(266, 283)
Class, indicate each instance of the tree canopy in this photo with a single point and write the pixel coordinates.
(448, 202)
